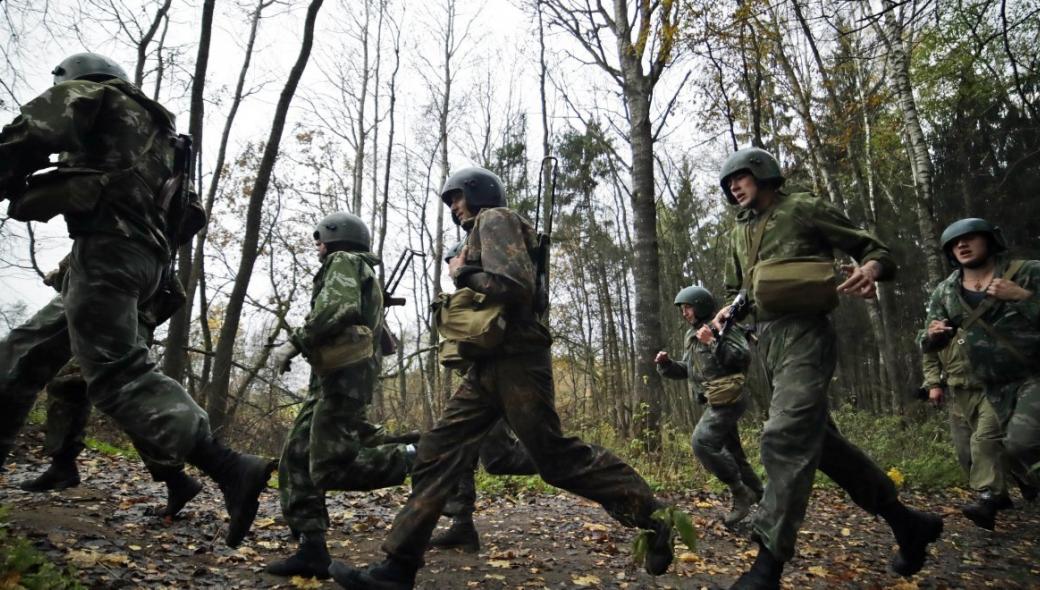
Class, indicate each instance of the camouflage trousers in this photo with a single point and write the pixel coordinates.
(716, 444)
(501, 453)
(800, 437)
(518, 388)
(109, 279)
(1018, 404)
(988, 459)
(37, 355)
(332, 446)
(30, 356)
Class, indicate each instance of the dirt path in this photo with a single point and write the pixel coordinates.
(105, 528)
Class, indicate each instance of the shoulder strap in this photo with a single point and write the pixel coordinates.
(756, 244)
(986, 305)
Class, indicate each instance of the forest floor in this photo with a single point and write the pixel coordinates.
(105, 530)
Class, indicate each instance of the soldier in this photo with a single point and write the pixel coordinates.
(117, 150)
(988, 306)
(501, 453)
(716, 376)
(511, 378)
(332, 446)
(782, 255)
(31, 356)
(946, 373)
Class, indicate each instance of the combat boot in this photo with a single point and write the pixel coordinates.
(181, 488)
(460, 535)
(743, 499)
(913, 530)
(241, 479)
(660, 553)
(764, 573)
(61, 474)
(390, 574)
(311, 560)
(983, 511)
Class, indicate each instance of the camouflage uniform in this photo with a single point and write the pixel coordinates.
(798, 352)
(716, 439)
(974, 425)
(501, 453)
(1007, 367)
(516, 384)
(332, 446)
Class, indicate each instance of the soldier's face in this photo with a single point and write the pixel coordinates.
(744, 189)
(687, 313)
(323, 250)
(971, 250)
(458, 206)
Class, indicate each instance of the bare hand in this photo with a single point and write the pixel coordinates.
(282, 356)
(1007, 290)
(935, 395)
(721, 317)
(705, 336)
(662, 358)
(861, 281)
(456, 263)
(939, 328)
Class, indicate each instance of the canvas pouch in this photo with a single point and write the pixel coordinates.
(58, 191)
(352, 345)
(476, 327)
(795, 285)
(724, 390)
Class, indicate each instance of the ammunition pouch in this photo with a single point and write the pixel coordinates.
(724, 390)
(469, 327)
(59, 191)
(795, 285)
(352, 345)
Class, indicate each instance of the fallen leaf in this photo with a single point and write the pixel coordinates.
(588, 580)
(305, 583)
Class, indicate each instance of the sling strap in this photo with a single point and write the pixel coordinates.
(976, 315)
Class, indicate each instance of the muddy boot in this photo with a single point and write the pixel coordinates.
(460, 535)
(913, 530)
(390, 574)
(311, 560)
(181, 488)
(61, 474)
(241, 479)
(743, 499)
(764, 573)
(983, 511)
(660, 553)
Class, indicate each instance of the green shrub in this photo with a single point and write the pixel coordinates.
(22, 566)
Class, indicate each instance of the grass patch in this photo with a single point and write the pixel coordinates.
(22, 566)
(109, 449)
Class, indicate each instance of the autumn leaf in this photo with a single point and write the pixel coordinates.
(305, 583)
(896, 476)
(587, 580)
(818, 571)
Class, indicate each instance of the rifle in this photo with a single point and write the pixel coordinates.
(738, 309)
(387, 341)
(541, 252)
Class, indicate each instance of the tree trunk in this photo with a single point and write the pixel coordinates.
(217, 389)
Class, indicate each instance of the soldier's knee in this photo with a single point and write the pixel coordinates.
(1023, 444)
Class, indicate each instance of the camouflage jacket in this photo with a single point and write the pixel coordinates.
(948, 366)
(107, 126)
(800, 225)
(1017, 322)
(346, 293)
(498, 263)
(701, 364)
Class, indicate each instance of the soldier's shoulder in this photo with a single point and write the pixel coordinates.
(952, 281)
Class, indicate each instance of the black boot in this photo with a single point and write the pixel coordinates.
(913, 530)
(743, 500)
(460, 535)
(241, 479)
(660, 553)
(983, 511)
(390, 574)
(181, 488)
(1029, 492)
(764, 573)
(311, 560)
(61, 474)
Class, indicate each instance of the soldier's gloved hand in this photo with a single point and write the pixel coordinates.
(283, 355)
(662, 358)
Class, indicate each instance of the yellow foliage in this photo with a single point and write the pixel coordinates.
(896, 476)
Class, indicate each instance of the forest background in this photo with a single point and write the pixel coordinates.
(905, 114)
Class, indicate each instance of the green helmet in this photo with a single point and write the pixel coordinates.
(480, 187)
(344, 227)
(760, 163)
(699, 298)
(971, 225)
(87, 66)
(453, 251)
